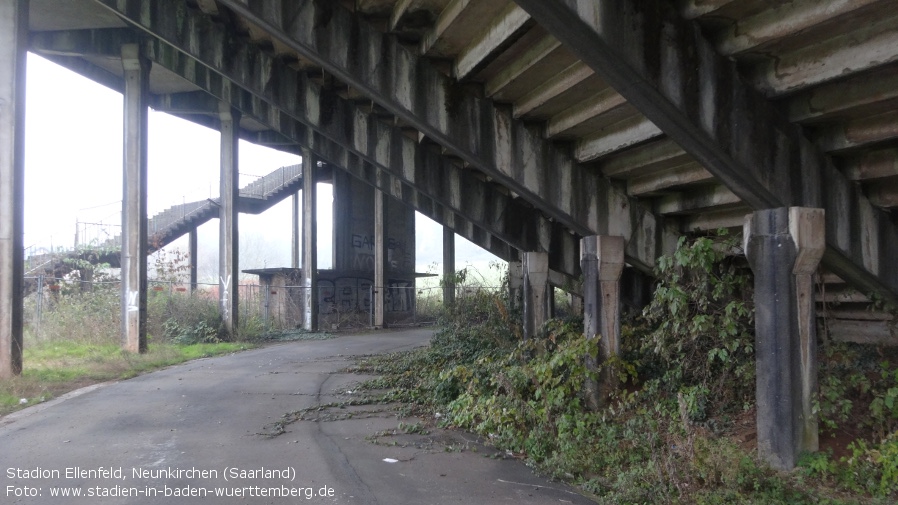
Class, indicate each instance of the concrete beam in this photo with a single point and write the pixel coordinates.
(621, 135)
(646, 159)
(481, 134)
(696, 200)
(784, 247)
(757, 33)
(871, 165)
(875, 45)
(690, 173)
(860, 95)
(228, 215)
(858, 133)
(713, 220)
(692, 9)
(542, 50)
(88, 70)
(310, 240)
(544, 93)
(13, 47)
(664, 66)
(449, 35)
(208, 6)
(884, 194)
(344, 136)
(511, 23)
(134, 200)
(602, 110)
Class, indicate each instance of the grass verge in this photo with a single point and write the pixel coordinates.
(56, 367)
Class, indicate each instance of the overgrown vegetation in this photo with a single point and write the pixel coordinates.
(73, 330)
(681, 427)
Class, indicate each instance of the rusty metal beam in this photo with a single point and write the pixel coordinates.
(666, 68)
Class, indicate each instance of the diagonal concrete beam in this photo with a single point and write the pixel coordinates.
(510, 25)
(409, 169)
(663, 65)
(482, 134)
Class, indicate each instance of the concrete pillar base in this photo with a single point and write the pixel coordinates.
(784, 247)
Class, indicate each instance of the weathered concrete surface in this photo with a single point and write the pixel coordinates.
(346, 136)
(448, 266)
(134, 200)
(666, 68)
(380, 257)
(228, 237)
(602, 262)
(13, 44)
(206, 414)
(310, 240)
(537, 292)
(784, 247)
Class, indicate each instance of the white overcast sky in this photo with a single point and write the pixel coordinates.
(73, 172)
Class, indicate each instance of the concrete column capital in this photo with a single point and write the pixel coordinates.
(133, 58)
(228, 113)
(807, 227)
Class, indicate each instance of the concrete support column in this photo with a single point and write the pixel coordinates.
(602, 263)
(380, 258)
(784, 247)
(536, 292)
(515, 284)
(310, 240)
(192, 257)
(13, 44)
(448, 266)
(295, 233)
(342, 229)
(134, 200)
(228, 240)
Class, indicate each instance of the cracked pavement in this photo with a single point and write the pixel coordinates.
(211, 415)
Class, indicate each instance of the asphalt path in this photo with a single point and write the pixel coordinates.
(201, 433)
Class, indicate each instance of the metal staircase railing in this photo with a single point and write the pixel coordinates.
(161, 225)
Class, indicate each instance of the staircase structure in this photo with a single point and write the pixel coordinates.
(174, 222)
(255, 198)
